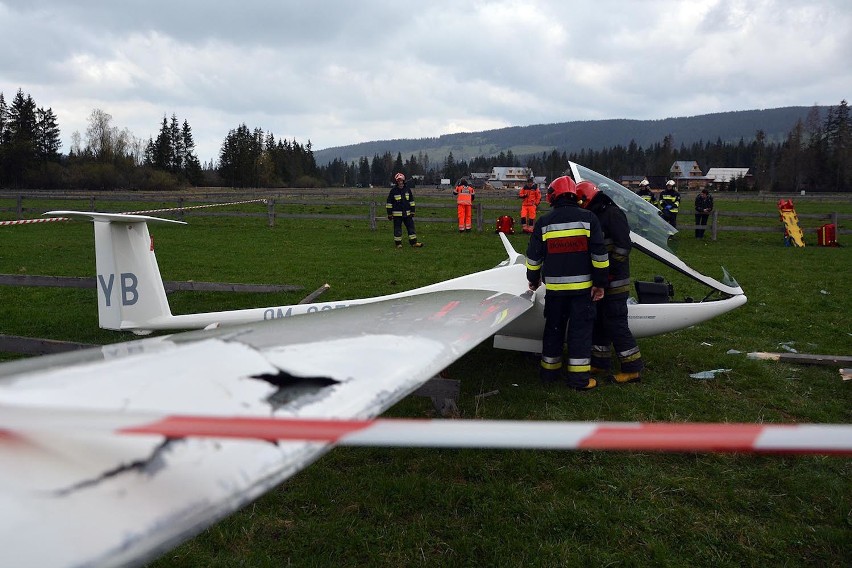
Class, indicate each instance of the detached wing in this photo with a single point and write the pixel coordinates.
(86, 497)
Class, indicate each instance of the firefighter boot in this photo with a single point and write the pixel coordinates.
(624, 378)
(580, 386)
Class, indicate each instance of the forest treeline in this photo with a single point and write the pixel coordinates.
(814, 156)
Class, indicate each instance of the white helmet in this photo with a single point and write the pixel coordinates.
(644, 182)
(670, 183)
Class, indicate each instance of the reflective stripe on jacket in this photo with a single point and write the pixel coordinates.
(464, 194)
(566, 250)
(400, 202)
(616, 231)
(669, 200)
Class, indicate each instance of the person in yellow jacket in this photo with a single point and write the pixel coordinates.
(465, 194)
(531, 196)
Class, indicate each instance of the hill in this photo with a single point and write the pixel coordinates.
(589, 134)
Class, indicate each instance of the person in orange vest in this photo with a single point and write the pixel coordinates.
(531, 196)
(465, 194)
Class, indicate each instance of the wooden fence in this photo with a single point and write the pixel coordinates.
(280, 206)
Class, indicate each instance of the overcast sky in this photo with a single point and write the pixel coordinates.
(341, 72)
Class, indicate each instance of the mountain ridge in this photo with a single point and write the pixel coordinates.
(574, 136)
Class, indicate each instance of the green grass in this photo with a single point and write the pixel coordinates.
(412, 507)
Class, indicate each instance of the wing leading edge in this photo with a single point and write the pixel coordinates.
(77, 498)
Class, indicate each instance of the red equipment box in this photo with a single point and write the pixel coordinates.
(827, 235)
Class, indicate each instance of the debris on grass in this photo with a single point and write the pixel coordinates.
(787, 346)
(802, 358)
(732, 352)
(704, 375)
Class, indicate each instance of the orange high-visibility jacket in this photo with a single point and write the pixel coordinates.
(464, 194)
(531, 196)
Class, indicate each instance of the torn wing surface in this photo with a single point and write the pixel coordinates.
(78, 498)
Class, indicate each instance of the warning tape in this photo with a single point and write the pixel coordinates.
(29, 221)
(194, 207)
(500, 434)
(51, 219)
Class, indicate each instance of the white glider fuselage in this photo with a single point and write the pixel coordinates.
(131, 295)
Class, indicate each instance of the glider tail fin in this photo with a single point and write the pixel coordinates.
(514, 256)
(130, 288)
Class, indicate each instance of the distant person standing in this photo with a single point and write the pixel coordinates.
(703, 208)
(566, 251)
(400, 209)
(465, 194)
(646, 193)
(669, 203)
(611, 332)
(531, 196)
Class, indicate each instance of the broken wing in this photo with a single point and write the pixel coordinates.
(79, 498)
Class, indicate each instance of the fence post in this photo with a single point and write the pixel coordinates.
(715, 217)
(373, 216)
(479, 217)
(92, 203)
(20, 207)
(834, 221)
(270, 212)
(180, 208)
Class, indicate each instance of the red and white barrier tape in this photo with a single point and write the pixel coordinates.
(194, 207)
(51, 219)
(631, 436)
(29, 221)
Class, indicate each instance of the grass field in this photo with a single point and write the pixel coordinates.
(404, 507)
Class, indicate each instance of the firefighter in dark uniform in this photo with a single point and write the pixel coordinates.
(400, 209)
(566, 251)
(646, 193)
(611, 321)
(670, 203)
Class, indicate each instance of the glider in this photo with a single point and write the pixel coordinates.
(131, 295)
(111, 456)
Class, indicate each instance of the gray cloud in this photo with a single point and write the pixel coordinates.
(339, 72)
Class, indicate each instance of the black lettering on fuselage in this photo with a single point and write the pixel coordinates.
(129, 285)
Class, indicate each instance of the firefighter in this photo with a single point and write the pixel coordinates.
(566, 251)
(400, 209)
(465, 194)
(669, 203)
(646, 193)
(611, 327)
(531, 196)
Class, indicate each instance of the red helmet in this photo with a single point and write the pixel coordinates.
(586, 191)
(399, 177)
(559, 187)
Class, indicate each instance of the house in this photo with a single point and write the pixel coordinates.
(509, 177)
(722, 178)
(478, 179)
(631, 182)
(687, 175)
